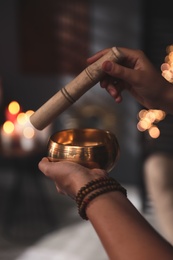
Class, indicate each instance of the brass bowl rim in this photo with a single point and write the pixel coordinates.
(83, 130)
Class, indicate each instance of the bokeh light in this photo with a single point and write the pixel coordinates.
(154, 132)
(8, 127)
(29, 113)
(28, 132)
(22, 118)
(167, 66)
(14, 107)
(148, 118)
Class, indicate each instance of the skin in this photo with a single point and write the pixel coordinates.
(137, 75)
(124, 233)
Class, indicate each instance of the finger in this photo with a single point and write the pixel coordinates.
(97, 56)
(115, 92)
(107, 80)
(114, 87)
(119, 71)
(42, 163)
(119, 88)
(44, 166)
(104, 83)
(45, 159)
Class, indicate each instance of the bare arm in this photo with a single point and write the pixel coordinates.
(123, 231)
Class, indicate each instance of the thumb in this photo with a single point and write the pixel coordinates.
(118, 71)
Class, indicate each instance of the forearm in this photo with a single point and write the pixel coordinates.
(124, 233)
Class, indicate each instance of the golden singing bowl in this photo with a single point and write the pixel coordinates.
(92, 148)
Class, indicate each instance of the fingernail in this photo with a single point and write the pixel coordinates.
(107, 66)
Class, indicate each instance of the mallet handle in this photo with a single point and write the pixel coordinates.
(72, 91)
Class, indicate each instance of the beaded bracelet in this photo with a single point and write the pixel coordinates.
(96, 188)
(93, 185)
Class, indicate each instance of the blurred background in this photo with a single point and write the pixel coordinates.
(44, 45)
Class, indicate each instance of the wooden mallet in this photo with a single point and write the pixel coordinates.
(72, 91)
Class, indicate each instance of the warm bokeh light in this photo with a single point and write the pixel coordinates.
(8, 127)
(148, 118)
(28, 132)
(151, 116)
(142, 113)
(160, 115)
(22, 118)
(17, 131)
(167, 66)
(154, 132)
(170, 56)
(167, 59)
(14, 107)
(140, 128)
(29, 113)
(169, 48)
(143, 125)
(167, 74)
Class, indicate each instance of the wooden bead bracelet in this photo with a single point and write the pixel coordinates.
(93, 189)
(91, 186)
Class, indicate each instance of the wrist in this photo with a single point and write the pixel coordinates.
(94, 189)
(84, 178)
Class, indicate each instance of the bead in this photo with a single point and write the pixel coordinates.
(93, 189)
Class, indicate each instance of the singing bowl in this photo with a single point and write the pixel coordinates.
(92, 148)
